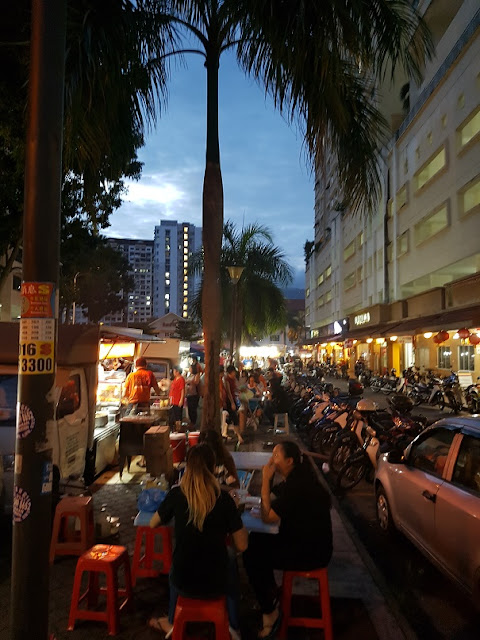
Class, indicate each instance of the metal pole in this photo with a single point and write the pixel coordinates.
(232, 324)
(74, 306)
(38, 324)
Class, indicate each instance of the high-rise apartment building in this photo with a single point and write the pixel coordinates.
(174, 288)
(381, 284)
(139, 307)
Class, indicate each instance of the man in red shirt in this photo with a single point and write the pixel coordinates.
(137, 387)
(177, 397)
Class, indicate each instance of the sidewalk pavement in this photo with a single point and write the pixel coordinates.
(359, 603)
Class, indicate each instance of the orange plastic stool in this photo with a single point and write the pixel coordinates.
(194, 610)
(325, 621)
(142, 565)
(74, 543)
(108, 559)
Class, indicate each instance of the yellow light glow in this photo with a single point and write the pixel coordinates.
(324, 344)
(427, 335)
(355, 341)
(333, 344)
(369, 340)
(117, 350)
(380, 340)
(261, 352)
(456, 336)
(393, 338)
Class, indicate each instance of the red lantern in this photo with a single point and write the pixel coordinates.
(474, 338)
(445, 335)
(463, 334)
(438, 338)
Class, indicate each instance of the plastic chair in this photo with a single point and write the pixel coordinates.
(74, 543)
(107, 559)
(195, 610)
(324, 621)
(284, 418)
(142, 565)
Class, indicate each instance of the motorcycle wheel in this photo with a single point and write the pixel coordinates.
(351, 474)
(340, 453)
(375, 387)
(439, 401)
(417, 400)
(386, 389)
(323, 441)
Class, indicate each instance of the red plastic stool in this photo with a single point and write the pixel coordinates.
(194, 610)
(325, 621)
(74, 543)
(142, 565)
(108, 559)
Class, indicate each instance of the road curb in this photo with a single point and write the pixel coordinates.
(367, 560)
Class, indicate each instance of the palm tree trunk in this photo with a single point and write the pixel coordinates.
(212, 243)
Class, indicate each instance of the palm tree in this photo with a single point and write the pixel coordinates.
(258, 303)
(319, 61)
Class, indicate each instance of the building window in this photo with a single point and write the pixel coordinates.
(320, 280)
(469, 130)
(402, 244)
(432, 224)
(444, 357)
(360, 240)
(431, 169)
(184, 314)
(466, 358)
(349, 281)
(319, 302)
(307, 292)
(328, 272)
(328, 296)
(469, 198)
(349, 251)
(360, 273)
(275, 338)
(402, 197)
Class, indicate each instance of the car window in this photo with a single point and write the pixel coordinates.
(466, 473)
(430, 452)
(8, 400)
(70, 398)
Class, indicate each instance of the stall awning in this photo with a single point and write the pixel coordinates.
(452, 319)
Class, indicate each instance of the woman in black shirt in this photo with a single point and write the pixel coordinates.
(204, 517)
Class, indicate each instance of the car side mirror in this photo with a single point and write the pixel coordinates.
(395, 457)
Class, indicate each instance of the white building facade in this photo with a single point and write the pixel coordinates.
(411, 267)
(174, 288)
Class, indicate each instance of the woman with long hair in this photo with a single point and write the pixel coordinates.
(204, 517)
(225, 470)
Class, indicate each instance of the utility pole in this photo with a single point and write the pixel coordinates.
(38, 323)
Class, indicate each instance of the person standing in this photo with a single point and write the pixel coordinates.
(137, 387)
(301, 507)
(233, 403)
(192, 384)
(177, 398)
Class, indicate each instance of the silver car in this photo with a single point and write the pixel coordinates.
(431, 493)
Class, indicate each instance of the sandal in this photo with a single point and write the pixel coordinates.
(156, 624)
(271, 630)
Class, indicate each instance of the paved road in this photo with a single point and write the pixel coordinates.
(435, 608)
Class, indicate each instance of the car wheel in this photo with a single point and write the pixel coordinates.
(383, 512)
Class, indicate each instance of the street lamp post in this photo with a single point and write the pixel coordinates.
(74, 307)
(235, 274)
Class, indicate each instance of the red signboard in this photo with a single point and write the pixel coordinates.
(38, 300)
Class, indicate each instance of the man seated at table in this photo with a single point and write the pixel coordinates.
(301, 507)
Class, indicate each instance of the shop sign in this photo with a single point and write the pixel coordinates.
(362, 318)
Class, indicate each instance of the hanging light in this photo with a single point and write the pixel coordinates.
(393, 338)
(427, 335)
(463, 334)
(369, 340)
(474, 338)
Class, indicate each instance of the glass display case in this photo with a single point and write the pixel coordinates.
(110, 389)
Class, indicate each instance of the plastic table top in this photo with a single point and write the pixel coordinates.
(251, 459)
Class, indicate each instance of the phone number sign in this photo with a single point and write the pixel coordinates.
(36, 357)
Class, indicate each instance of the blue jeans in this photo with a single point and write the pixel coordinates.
(233, 593)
